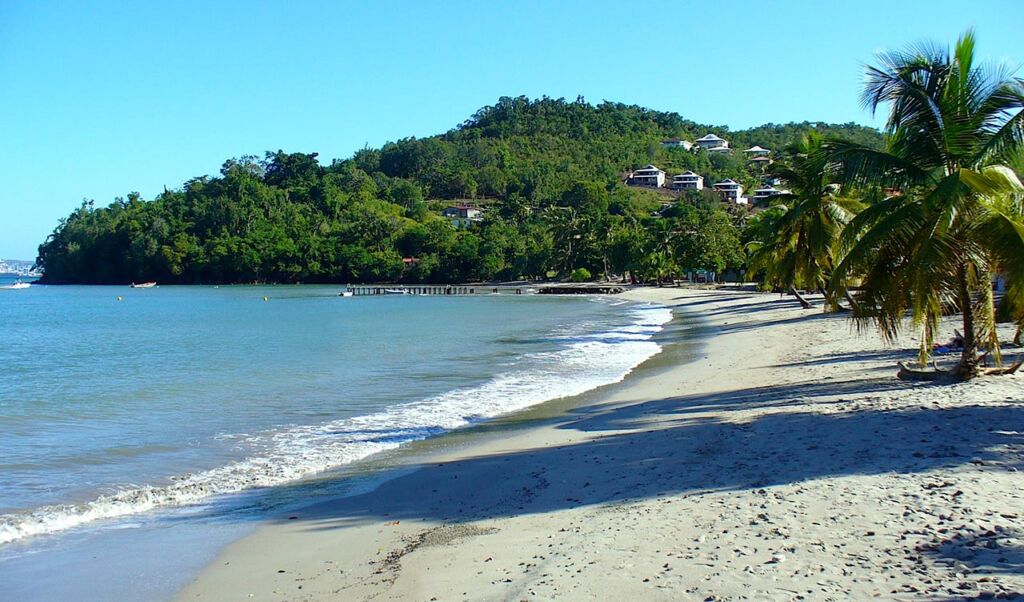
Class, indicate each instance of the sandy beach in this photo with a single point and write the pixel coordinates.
(785, 462)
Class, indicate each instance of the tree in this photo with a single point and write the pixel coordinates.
(800, 251)
(705, 238)
(954, 216)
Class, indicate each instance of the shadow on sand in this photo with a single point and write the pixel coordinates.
(666, 450)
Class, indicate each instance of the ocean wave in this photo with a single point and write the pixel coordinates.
(581, 363)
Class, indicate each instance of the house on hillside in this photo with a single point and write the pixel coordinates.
(649, 175)
(731, 190)
(463, 214)
(687, 181)
(758, 155)
(766, 192)
(713, 143)
(677, 143)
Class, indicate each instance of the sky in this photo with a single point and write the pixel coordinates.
(100, 99)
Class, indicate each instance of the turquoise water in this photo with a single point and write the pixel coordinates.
(171, 397)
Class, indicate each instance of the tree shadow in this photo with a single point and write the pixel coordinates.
(597, 418)
(997, 550)
(890, 356)
(758, 324)
(660, 447)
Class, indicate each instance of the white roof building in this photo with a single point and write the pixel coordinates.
(677, 143)
(731, 190)
(713, 143)
(687, 180)
(462, 216)
(649, 175)
(766, 192)
(757, 151)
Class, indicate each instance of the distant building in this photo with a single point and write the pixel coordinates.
(462, 215)
(648, 175)
(677, 143)
(767, 192)
(687, 181)
(731, 190)
(713, 143)
(757, 151)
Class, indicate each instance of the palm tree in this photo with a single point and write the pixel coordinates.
(954, 214)
(574, 236)
(800, 251)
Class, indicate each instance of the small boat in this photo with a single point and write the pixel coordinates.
(17, 286)
(143, 285)
(345, 294)
(395, 291)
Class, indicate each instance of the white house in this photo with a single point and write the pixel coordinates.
(462, 216)
(757, 151)
(713, 143)
(677, 143)
(687, 181)
(767, 192)
(648, 175)
(731, 190)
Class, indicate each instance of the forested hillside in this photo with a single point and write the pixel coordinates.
(548, 171)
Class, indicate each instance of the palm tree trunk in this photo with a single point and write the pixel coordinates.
(803, 302)
(853, 303)
(968, 366)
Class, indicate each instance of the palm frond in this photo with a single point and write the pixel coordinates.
(860, 165)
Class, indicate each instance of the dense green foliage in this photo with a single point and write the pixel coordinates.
(800, 247)
(955, 215)
(918, 227)
(549, 173)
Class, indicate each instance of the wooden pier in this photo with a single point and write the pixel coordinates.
(360, 291)
(460, 290)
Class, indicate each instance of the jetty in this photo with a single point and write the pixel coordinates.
(483, 289)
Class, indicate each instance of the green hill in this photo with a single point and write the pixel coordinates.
(550, 172)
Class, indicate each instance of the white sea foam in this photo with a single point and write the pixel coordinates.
(580, 364)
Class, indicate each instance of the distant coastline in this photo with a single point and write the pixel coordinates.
(18, 268)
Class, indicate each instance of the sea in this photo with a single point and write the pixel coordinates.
(143, 429)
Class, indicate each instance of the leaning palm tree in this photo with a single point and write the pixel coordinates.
(801, 249)
(954, 214)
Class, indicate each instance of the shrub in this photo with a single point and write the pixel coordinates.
(580, 275)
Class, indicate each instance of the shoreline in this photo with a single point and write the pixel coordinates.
(786, 460)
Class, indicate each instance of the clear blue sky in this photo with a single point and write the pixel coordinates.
(102, 98)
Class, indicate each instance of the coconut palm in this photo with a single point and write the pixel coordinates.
(800, 250)
(954, 214)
